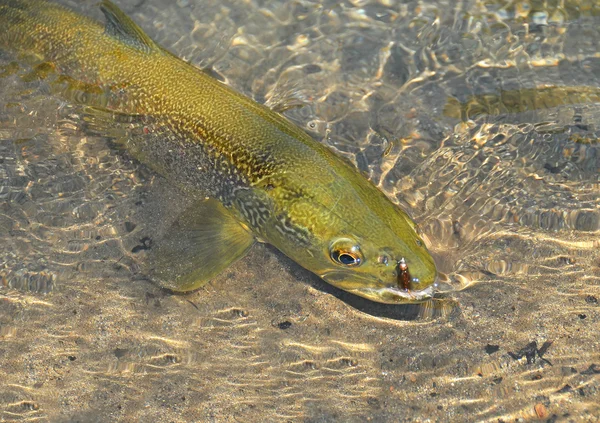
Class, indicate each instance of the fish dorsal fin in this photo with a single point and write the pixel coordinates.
(204, 240)
(122, 27)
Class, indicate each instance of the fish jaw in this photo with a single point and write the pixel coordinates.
(379, 291)
(395, 295)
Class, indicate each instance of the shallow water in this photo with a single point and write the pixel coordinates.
(479, 117)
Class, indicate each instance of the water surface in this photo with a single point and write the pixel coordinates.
(481, 118)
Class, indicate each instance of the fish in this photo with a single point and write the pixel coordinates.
(251, 174)
(519, 101)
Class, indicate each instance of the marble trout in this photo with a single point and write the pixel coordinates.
(254, 175)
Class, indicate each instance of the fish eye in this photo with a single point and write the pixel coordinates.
(345, 252)
(346, 258)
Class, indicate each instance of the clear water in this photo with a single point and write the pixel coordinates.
(482, 118)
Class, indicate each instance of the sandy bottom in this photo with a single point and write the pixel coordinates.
(508, 202)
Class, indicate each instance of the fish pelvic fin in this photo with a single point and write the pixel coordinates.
(204, 240)
(122, 27)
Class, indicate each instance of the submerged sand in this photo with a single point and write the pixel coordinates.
(508, 197)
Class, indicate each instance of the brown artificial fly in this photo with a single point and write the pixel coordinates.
(403, 275)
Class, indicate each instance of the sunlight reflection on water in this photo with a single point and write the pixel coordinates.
(480, 118)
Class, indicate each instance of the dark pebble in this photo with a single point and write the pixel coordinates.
(491, 349)
(284, 325)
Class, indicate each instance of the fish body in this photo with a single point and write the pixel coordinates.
(264, 177)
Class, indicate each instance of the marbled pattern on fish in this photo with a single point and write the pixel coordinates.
(275, 182)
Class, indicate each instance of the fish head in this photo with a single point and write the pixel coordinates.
(357, 240)
(383, 264)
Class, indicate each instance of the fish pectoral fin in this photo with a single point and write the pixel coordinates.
(204, 240)
(122, 27)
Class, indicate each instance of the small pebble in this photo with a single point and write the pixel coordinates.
(285, 325)
(540, 410)
(491, 349)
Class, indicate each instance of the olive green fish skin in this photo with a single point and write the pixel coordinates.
(289, 190)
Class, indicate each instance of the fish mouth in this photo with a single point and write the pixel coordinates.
(380, 291)
(395, 295)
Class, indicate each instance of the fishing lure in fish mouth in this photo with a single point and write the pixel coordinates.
(404, 278)
(406, 282)
(251, 173)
